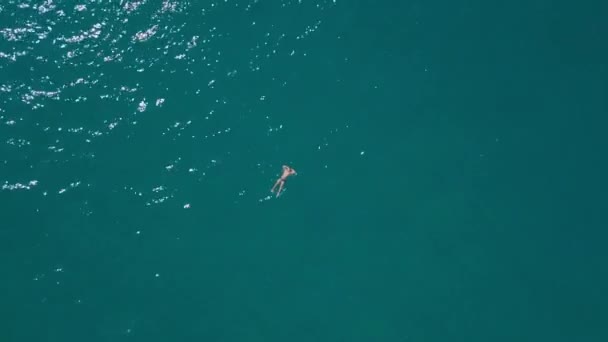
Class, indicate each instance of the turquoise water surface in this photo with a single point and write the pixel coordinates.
(451, 160)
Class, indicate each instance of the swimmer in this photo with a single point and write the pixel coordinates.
(287, 171)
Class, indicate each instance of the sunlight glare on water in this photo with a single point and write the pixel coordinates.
(84, 81)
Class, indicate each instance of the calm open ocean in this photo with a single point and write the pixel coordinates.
(451, 162)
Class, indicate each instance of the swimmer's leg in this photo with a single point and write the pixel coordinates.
(280, 188)
(275, 185)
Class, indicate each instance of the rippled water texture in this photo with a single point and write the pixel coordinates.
(86, 85)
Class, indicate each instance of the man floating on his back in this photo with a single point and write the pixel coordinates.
(287, 171)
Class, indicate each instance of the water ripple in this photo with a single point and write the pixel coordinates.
(83, 81)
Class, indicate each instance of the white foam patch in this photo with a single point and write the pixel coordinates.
(142, 106)
(143, 36)
(20, 186)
